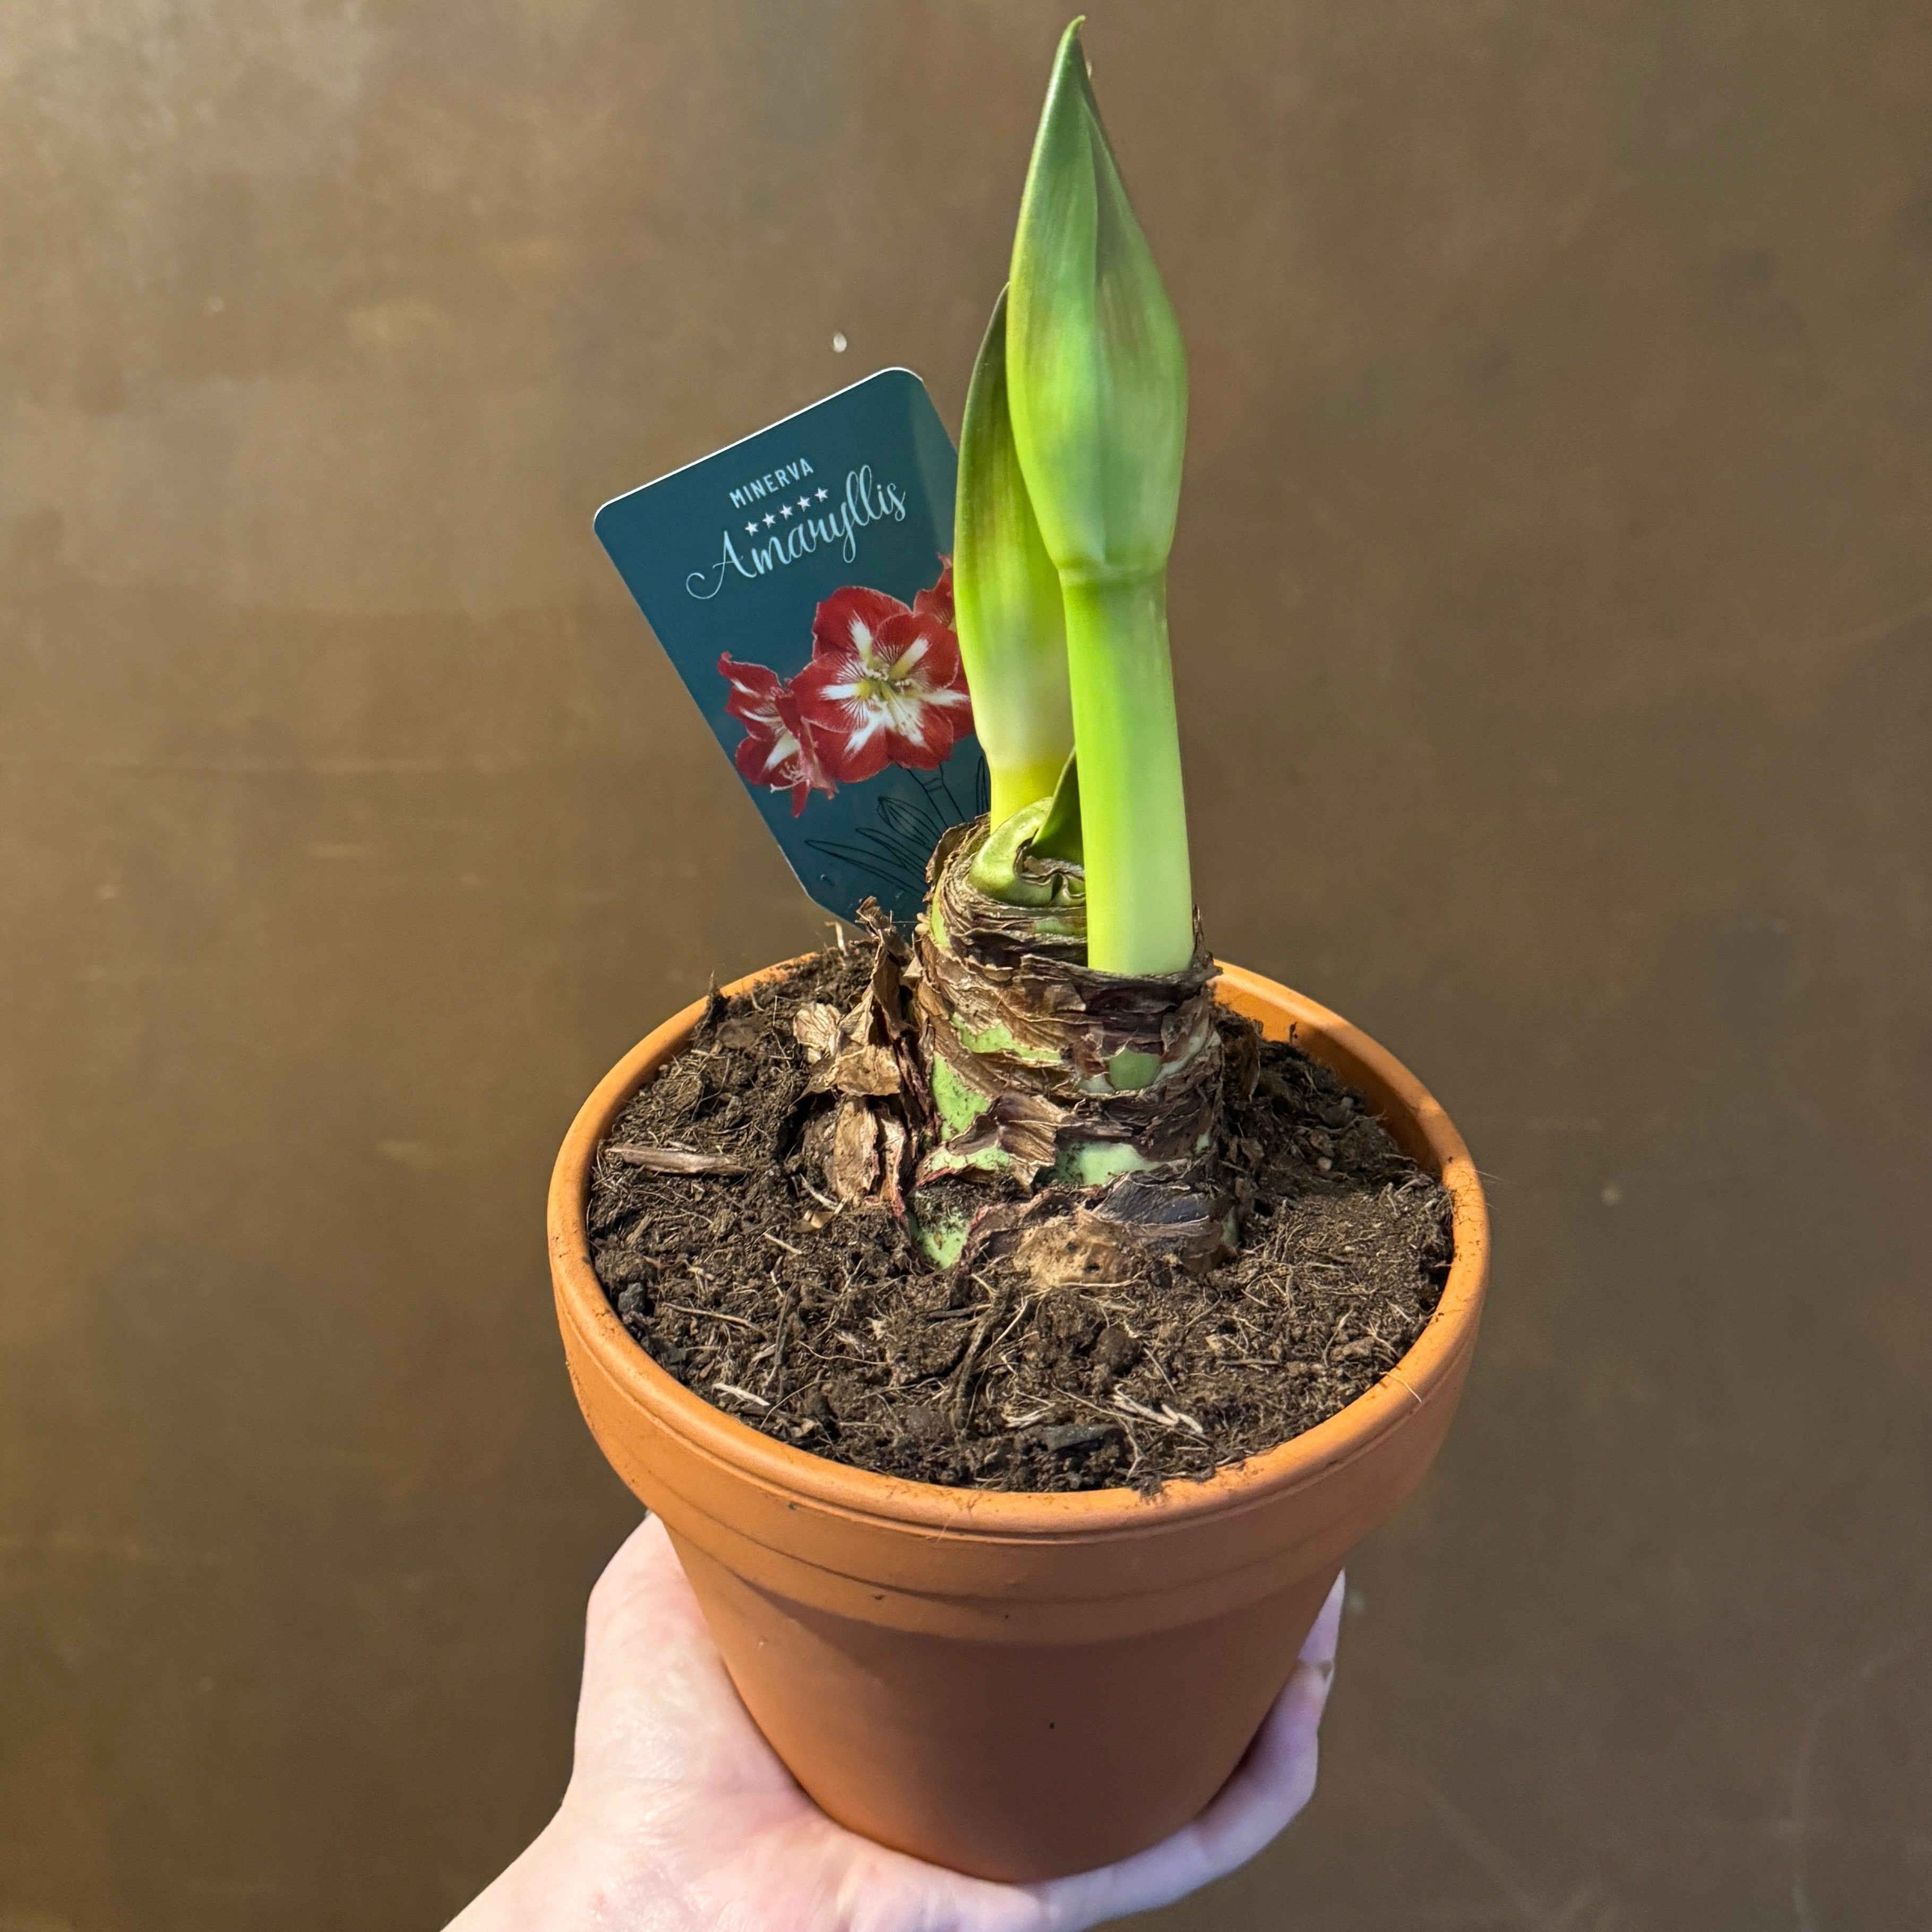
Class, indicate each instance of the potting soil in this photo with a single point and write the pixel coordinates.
(825, 1327)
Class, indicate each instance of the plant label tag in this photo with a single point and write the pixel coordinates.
(801, 581)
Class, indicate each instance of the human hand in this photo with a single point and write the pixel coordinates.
(679, 1818)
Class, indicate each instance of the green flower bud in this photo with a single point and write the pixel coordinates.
(1097, 391)
(1093, 353)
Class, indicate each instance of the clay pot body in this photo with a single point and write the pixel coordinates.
(1018, 1686)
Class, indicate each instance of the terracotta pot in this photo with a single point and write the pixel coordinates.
(1016, 1686)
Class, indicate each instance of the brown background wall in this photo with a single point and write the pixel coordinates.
(1553, 609)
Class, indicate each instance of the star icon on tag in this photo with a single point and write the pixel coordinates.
(784, 509)
(769, 520)
(751, 529)
(821, 496)
(805, 502)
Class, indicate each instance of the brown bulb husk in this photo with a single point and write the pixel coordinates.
(1012, 1020)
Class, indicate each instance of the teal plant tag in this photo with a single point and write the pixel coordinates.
(801, 581)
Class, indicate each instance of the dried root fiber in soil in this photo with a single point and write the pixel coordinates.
(747, 1220)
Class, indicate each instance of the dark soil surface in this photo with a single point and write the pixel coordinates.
(830, 1331)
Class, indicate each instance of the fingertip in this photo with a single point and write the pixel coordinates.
(1324, 1634)
(1296, 1719)
(634, 1547)
(649, 1542)
(640, 1564)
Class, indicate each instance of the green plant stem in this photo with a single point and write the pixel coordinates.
(1140, 896)
(1014, 787)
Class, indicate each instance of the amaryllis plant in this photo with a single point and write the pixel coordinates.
(1069, 1066)
(884, 686)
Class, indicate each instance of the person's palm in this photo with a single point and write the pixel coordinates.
(678, 1814)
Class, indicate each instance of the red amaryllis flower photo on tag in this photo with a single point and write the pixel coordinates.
(885, 685)
(777, 748)
(937, 602)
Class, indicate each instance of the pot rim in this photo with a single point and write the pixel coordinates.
(1030, 1516)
